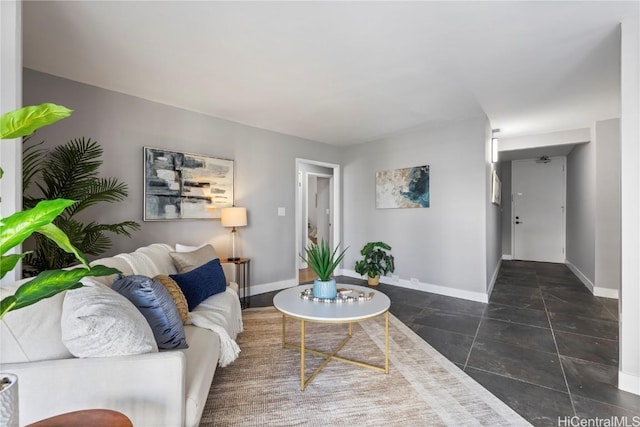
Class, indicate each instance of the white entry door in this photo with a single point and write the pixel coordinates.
(538, 221)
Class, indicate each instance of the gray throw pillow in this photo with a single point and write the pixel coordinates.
(157, 306)
(99, 322)
(187, 261)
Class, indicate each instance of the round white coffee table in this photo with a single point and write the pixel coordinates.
(290, 303)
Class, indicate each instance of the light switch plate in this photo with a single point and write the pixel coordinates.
(281, 211)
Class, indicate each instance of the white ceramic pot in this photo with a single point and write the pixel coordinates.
(9, 409)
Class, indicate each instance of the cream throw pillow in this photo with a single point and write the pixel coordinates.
(187, 261)
(99, 322)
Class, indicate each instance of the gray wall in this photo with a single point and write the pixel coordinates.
(494, 227)
(264, 167)
(445, 244)
(593, 209)
(607, 233)
(581, 206)
(505, 168)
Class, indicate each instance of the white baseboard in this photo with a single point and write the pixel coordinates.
(584, 279)
(606, 292)
(494, 277)
(507, 257)
(595, 290)
(425, 287)
(629, 382)
(273, 286)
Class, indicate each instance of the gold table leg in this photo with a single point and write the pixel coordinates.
(333, 355)
(302, 348)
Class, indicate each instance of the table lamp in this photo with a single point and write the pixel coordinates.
(233, 217)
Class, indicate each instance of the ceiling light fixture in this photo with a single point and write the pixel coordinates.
(494, 145)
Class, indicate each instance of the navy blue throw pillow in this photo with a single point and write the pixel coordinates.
(200, 283)
(157, 306)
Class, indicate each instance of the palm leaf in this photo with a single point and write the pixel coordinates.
(100, 190)
(32, 157)
(71, 171)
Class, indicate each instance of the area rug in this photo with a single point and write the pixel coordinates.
(423, 388)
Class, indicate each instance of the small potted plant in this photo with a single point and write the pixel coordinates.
(323, 261)
(376, 261)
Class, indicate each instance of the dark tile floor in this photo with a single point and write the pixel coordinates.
(544, 345)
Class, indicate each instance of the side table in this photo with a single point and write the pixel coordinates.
(87, 417)
(243, 277)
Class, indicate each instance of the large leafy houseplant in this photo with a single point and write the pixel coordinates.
(375, 261)
(70, 171)
(15, 228)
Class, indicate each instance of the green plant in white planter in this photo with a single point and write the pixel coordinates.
(323, 261)
(15, 228)
(375, 261)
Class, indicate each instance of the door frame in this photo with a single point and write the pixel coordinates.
(306, 198)
(564, 206)
(335, 198)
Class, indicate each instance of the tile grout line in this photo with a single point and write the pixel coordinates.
(474, 339)
(553, 335)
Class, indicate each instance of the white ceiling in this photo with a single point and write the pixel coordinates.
(344, 72)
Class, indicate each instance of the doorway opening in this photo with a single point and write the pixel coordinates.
(317, 209)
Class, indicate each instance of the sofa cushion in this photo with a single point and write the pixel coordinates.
(32, 333)
(178, 297)
(187, 261)
(202, 360)
(157, 306)
(202, 282)
(99, 322)
(113, 262)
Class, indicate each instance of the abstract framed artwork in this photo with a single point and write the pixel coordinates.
(496, 189)
(403, 188)
(180, 185)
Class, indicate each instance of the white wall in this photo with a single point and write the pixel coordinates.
(264, 168)
(629, 373)
(429, 244)
(548, 140)
(581, 207)
(11, 99)
(607, 224)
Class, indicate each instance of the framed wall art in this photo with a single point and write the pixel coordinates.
(403, 188)
(496, 189)
(181, 185)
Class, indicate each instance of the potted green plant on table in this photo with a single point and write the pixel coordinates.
(15, 228)
(376, 261)
(323, 261)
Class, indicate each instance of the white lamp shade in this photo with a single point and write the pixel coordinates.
(233, 217)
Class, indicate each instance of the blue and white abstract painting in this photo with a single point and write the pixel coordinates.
(403, 188)
(185, 185)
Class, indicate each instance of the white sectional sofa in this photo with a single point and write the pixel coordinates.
(165, 388)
